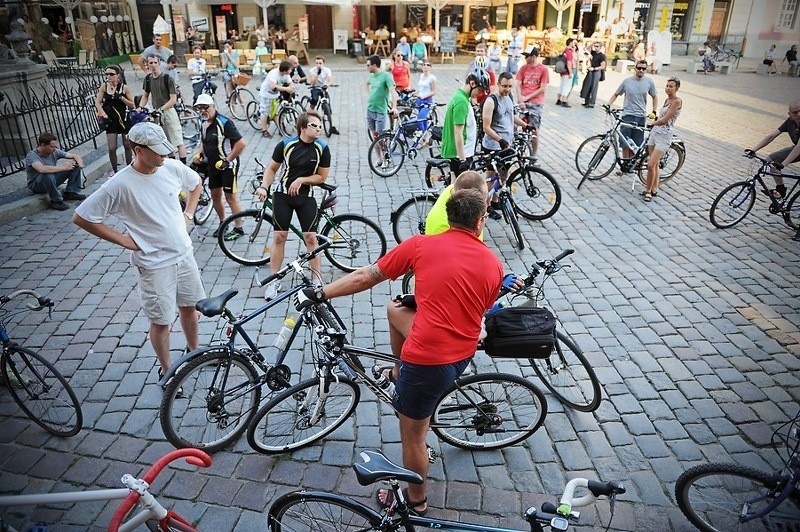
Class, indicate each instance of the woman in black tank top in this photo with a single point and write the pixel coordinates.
(112, 102)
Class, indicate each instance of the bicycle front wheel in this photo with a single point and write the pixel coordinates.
(357, 242)
(254, 115)
(253, 248)
(489, 411)
(327, 119)
(41, 391)
(239, 100)
(568, 374)
(409, 219)
(386, 154)
(595, 158)
(671, 161)
(323, 512)
(302, 415)
(204, 206)
(792, 213)
(190, 124)
(726, 497)
(535, 194)
(511, 219)
(220, 394)
(286, 121)
(733, 204)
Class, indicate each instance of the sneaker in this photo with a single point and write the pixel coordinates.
(178, 394)
(559, 102)
(215, 234)
(494, 214)
(58, 205)
(334, 131)
(565, 104)
(272, 290)
(233, 234)
(75, 196)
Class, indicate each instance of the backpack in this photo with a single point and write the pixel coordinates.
(561, 64)
(494, 112)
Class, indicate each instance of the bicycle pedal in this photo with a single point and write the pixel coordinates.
(432, 455)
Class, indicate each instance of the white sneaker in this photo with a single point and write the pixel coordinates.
(273, 287)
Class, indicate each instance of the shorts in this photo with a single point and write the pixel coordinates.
(268, 107)
(377, 121)
(224, 179)
(419, 388)
(660, 140)
(171, 125)
(535, 114)
(768, 62)
(637, 135)
(565, 86)
(283, 205)
(164, 290)
(780, 155)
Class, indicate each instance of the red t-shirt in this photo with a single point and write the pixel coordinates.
(531, 77)
(481, 95)
(457, 279)
(400, 76)
(570, 55)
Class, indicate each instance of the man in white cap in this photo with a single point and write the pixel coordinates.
(144, 197)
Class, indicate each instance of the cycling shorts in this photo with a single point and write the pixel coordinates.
(283, 205)
(419, 388)
(224, 179)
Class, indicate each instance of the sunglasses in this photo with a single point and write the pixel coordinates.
(641, 68)
(426, 64)
(314, 125)
(202, 107)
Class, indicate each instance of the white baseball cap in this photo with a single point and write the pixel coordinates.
(205, 99)
(151, 135)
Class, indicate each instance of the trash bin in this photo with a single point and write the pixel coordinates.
(356, 47)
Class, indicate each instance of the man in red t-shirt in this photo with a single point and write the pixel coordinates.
(532, 80)
(457, 279)
(566, 77)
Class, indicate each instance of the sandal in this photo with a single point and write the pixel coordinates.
(648, 197)
(389, 502)
(266, 134)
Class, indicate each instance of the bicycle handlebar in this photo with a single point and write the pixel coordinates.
(41, 300)
(750, 154)
(295, 265)
(548, 265)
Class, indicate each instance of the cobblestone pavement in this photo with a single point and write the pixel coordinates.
(693, 332)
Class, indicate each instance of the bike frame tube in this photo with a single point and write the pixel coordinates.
(791, 485)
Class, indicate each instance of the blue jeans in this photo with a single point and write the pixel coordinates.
(49, 183)
(511, 66)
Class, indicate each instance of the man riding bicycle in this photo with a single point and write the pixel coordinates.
(319, 78)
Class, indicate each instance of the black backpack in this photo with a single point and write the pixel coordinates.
(561, 64)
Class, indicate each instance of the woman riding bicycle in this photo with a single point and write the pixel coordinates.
(230, 65)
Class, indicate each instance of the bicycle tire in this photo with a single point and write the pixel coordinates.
(327, 120)
(221, 392)
(572, 381)
(535, 194)
(190, 123)
(434, 176)
(590, 156)
(41, 391)
(283, 423)
(254, 115)
(742, 198)
(254, 247)
(409, 218)
(458, 422)
(393, 155)
(286, 121)
(305, 103)
(238, 101)
(357, 242)
(729, 490)
(408, 283)
(670, 163)
(204, 205)
(511, 219)
(791, 214)
(304, 510)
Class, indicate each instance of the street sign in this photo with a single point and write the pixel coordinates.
(586, 7)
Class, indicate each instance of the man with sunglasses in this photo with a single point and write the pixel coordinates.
(220, 145)
(636, 88)
(306, 161)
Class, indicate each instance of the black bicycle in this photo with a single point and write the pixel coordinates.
(323, 106)
(236, 99)
(736, 201)
(33, 382)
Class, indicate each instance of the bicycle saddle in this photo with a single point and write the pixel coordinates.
(326, 186)
(377, 467)
(213, 306)
(438, 163)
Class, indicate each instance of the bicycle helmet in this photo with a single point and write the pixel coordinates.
(480, 77)
(137, 117)
(481, 62)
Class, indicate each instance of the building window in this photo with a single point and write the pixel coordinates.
(787, 15)
(679, 25)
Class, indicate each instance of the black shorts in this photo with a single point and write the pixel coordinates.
(224, 179)
(419, 388)
(283, 205)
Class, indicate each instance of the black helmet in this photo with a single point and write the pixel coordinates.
(480, 77)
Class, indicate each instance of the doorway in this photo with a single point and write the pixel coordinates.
(718, 17)
(382, 16)
(231, 23)
(320, 27)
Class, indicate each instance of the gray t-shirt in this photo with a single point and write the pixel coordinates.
(636, 91)
(34, 156)
(164, 53)
(160, 89)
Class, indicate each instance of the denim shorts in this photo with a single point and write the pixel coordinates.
(377, 121)
(419, 388)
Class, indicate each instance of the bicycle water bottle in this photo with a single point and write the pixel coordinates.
(384, 383)
(286, 331)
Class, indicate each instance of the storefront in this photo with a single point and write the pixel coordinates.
(680, 23)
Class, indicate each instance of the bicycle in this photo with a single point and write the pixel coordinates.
(357, 241)
(565, 371)
(136, 491)
(191, 123)
(736, 201)
(389, 150)
(728, 496)
(478, 412)
(220, 383)
(318, 510)
(592, 162)
(237, 99)
(205, 206)
(33, 382)
(323, 106)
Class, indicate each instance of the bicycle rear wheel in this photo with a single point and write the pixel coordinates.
(535, 194)
(286, 422)
(323, 512)
(725, 497)
(41, 391)
(595, 158)
(238, 102)
(357, 242)
(221, 392)
(669, 164)
(409, 219)
(511, 219)
(792, 213)
(408, 283)
(386, 155)
(489, 411)
(568, 374)
(254, 115)
(732, 204)
(254, 247)
(204, 205)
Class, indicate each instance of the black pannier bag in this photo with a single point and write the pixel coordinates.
(520, 332)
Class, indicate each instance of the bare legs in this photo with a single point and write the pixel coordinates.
(159, 336)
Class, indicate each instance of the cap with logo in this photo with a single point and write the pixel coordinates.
(204, 99)
(151, 135)
(532, 50)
